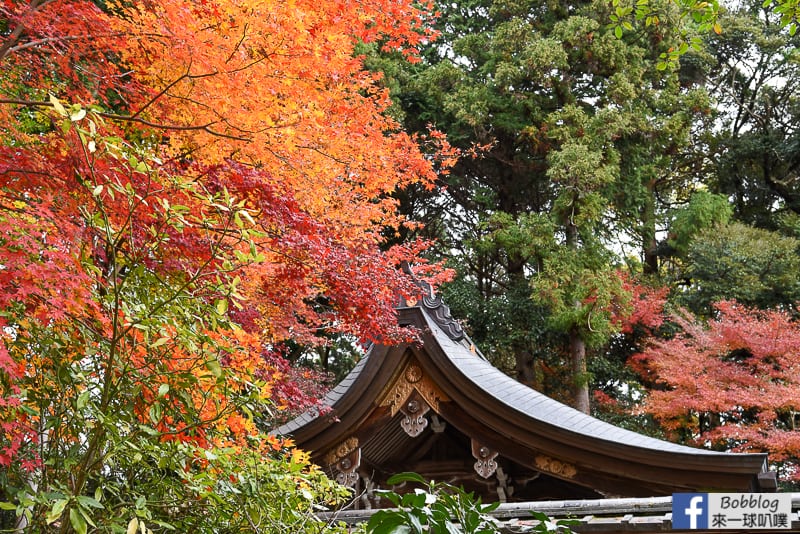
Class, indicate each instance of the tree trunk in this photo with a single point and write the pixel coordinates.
(580, 387)
(524, 367)
(649, 242)
(524, 359)
(577, 345)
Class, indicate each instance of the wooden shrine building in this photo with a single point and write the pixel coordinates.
(440, 409)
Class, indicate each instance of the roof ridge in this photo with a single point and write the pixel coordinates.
(435, 306)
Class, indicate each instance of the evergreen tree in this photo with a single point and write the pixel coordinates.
(578, 129)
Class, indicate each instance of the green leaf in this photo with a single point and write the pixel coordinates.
(155, 413)
(83, 400)
(222, 306)
(163, 524)
(246, 215)
(540, 516)
(150, 431)
(97, 190)
(618, 32)
(89, 501)
(399, 478)
(160, 341)
(215, 368)
(416, 524)
(163, 389)
(388, 522)
(491, 507)
(56, 511)
(86, 516)
(77, 521)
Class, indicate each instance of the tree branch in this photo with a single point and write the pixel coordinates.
(130, 118)
(170, 86)
(13, 38)
(46, 40)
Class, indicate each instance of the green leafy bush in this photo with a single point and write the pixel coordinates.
(443, 508)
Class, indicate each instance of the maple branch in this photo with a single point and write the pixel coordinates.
(129, 118)
(177, 291)
(225, 120)
(204, 127)
(31, 44)
(171, 85)
(239, 44)
(14, 36)
(245, 67)
(222, 119)
(323, 153)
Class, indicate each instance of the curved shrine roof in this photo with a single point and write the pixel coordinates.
(514, 420)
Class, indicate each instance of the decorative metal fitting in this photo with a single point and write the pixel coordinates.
(485, 464)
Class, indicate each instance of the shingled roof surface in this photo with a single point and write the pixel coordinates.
(521, 398)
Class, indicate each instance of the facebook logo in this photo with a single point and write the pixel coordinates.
(689, 510)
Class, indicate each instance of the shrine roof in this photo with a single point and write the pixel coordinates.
(515, 396)
(520, 423)
(525, 400)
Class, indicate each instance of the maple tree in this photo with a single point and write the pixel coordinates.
(731, 384)
(617, 388)
(183, 187)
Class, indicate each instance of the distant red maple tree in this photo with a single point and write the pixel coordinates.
(731, 384)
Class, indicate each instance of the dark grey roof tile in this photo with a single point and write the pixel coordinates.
(542, 408)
